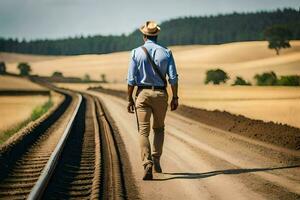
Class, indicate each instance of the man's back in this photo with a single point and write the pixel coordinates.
(141, 71)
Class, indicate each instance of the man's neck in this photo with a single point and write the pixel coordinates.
(148, 40)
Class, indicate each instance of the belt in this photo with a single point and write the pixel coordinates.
(152, 87)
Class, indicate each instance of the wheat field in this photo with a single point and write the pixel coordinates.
(17, 83)
(15, 109)
(280, 104)
(240, 58)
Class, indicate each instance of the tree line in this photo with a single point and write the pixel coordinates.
(218, 76)
(216, 29)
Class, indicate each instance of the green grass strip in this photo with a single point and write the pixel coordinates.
(36, 113)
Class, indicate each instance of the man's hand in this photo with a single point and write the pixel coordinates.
(174, 104)
(130, 106)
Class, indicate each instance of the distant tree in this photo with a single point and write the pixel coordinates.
(57, 74)
(240, 81)
(86, 78)
(24, 68)
(103, 78)
(216, 76)
(292, 80)
(267, 78)
(279, 37)
(2, 68)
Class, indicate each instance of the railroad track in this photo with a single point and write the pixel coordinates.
(82, 162)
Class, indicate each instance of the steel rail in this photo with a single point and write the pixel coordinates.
(39, 187)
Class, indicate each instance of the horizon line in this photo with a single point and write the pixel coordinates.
(164, 21)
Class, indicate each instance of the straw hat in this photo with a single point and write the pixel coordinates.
(150, 28)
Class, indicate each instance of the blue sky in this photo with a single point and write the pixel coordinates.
(32, 19)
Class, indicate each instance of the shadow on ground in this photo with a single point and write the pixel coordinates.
(187, 175)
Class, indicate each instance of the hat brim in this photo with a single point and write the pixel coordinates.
(150, 34)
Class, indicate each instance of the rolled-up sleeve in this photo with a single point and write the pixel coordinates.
(131, 80)
(172, 72)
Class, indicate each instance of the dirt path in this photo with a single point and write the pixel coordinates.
(201, 162)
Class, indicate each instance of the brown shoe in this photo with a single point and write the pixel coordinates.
(157, 167)
(148, 172)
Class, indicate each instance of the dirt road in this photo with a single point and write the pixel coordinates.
(201, 162)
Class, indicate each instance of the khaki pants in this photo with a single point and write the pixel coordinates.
(151, 102)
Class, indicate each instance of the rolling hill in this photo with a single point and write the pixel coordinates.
(240, 58)
(280, 104)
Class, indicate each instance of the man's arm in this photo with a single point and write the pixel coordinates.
(132, 70)
(130, 106)
(174, 102)
(175, 90)
(130, 89)
(131, 82)
(173, 80)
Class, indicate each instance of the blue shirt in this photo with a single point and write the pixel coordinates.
(140, 71)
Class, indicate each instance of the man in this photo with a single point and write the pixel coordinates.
(148, 68)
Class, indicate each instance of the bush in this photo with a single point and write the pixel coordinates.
(24, 68)
(240, 81)
(57, 74)
(103, 78)
(293, 80)
(86, 78)
(267, 78)
(2, 68)
(270, 78)
(216, 76)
